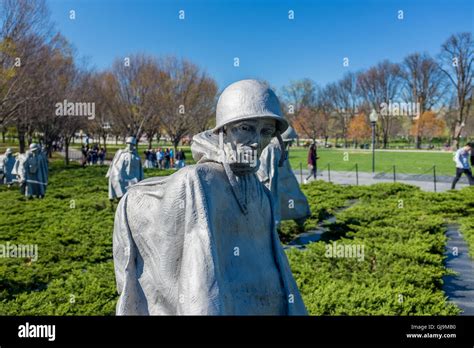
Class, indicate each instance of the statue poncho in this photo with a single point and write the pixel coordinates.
(125, 170)
(290, 202)
(184, 246)
(6, 166)
(31, 170)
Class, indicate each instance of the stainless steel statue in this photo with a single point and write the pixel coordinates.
(7, 161)
(125, 170)
(203, 241)
(31, 170)
(290, 202)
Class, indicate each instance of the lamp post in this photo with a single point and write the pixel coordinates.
(373, 120)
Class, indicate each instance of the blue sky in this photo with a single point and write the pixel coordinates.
(268, 44)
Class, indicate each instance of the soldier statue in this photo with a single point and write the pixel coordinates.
(125, 170)
(203, 240)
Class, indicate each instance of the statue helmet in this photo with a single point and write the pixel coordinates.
(34, 147)
(289, 134)
(248, 99)
(131, 140)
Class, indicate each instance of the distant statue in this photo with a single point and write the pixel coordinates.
(125, 170)
(7, 162)
(31, 170)
(276, 173)
(203, 240)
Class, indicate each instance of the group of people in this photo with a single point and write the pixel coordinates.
(29, 170)
(92, 156)
(164, 158)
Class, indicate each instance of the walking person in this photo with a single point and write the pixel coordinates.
(461, 158)
(312, 161)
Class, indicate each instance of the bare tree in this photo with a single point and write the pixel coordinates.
(24, 30)
(378, 85)
(130, 88)
(313, 120)
(456, 60)
(343, 97)
(299, 96)
(424, 84)
(186, 98)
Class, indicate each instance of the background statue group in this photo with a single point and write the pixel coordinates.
(30, 170)
(204, 240)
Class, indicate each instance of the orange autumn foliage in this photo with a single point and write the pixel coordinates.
(359, 128)
(428, 126)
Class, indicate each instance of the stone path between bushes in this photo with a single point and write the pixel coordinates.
(312, 236)
(459, 288)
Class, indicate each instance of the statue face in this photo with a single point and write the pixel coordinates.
(247, 139)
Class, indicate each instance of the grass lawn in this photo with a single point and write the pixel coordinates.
(406, 162)
(411, 162)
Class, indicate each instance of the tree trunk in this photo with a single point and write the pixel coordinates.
(66, 150)
(175, 144)
(418, 142)
(385, 140)
(150, 142)
(21, 140)
(456, 143)
(104, 137)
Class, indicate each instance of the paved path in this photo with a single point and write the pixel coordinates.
(459, 288)
(425, 182)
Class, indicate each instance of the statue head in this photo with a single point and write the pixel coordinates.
(131, 143)
(8, 152)
(244, 142)
(34, 148)
(289, 136)
(248, 116)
